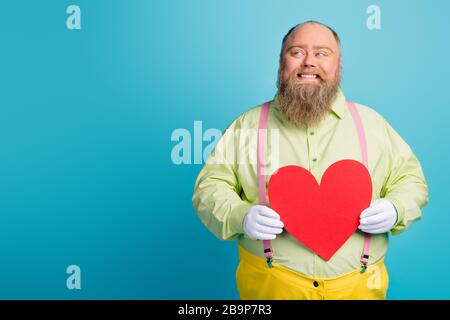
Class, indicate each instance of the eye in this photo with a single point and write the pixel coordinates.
(321, 54)
(297, 52)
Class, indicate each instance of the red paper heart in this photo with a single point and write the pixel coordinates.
(321, 217)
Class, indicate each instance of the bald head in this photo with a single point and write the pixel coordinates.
(312, 24)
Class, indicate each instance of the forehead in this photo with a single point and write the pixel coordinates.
(312, 34)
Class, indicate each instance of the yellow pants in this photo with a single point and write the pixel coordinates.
(256, 281)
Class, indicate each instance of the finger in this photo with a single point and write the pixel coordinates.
(268, 230)
(264, 236)
(374, 219)
(269, 212)
(376, 231)
(270, 222)
(375, 202)
(371, 211)
(373, 225)
(382, 225)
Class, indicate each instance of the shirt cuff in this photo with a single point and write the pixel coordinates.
(237, 217)
(398, 226)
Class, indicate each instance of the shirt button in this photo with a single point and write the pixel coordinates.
(316, 284)
(315, 159)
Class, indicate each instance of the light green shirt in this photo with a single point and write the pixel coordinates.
(227, 185)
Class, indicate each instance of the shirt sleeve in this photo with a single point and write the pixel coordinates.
(405, 185)
(216, 197)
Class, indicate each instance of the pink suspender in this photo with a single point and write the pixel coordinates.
(261, 150)
(361, 134)
(262, 140)
(363, 143)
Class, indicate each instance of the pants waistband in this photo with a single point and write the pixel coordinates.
(336, 283)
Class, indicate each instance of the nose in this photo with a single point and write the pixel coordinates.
(309, 60)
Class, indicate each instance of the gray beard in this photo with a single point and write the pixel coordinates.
(306, 104)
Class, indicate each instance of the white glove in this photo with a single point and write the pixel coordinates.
(262, 223)
(380, 217)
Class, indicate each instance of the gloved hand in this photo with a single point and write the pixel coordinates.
(380, 217)
(262, 223)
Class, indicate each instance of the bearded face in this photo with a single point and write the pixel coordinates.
(305, 97)
(309, 75)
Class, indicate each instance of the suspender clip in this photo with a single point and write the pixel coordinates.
(269, 256)
(269, 262)
(364, 261)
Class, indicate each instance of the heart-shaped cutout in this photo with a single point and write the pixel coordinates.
(322, 217)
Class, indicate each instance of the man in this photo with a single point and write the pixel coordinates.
(314, 129)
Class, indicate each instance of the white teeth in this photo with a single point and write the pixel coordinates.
(310, 76)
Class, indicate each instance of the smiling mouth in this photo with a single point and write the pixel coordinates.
(308, 76)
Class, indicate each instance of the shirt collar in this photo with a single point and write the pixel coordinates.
(338, 106)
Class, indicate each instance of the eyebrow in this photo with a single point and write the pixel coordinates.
(314, 47)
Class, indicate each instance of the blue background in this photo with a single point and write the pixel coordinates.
(86, 118)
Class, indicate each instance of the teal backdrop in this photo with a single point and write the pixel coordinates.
(86, 118)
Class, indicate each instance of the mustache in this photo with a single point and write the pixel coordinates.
(295, 75)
